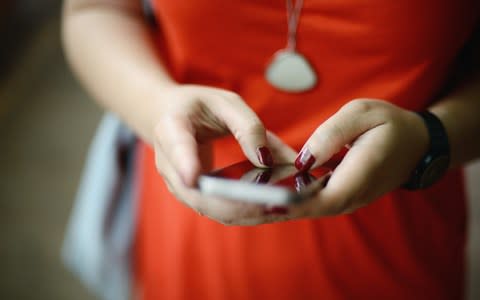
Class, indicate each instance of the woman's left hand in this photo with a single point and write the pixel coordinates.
(386, 142)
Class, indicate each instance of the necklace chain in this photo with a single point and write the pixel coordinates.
(289, 70)
(293, 16)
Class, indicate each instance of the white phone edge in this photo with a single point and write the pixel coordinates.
(253, 193)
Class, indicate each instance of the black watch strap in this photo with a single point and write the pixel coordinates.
(435, 162)
(437, 132)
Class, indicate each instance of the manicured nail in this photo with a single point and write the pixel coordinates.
(264, 176)
(265, 156)
(305, 160)
(301, 180)
(275, 210)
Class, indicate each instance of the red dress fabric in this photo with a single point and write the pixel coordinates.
(406, 245)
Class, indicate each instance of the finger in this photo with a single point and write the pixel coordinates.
(220, 210)
(339, 130)
(245, 126)
(266, 219)
(356, 179)
(282, 153)
(173, 180)
(175, 136)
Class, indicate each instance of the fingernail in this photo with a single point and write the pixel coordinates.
(302, 180)
(263, 177)
(275, 210)
(265, 156)
(305, 160)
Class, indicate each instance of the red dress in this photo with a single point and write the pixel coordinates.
(406, 245)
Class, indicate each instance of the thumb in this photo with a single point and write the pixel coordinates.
(341, 129)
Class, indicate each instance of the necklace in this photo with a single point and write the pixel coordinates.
(290, 71)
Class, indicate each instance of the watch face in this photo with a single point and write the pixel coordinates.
(434, 170)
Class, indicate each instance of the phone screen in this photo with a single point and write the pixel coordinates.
(280, 185)
(286, 176)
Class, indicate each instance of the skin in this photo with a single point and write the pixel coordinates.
(180, 121)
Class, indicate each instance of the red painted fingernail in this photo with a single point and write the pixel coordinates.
(301, 180)
(305, 160)
(275, 210)
(265, 156)
(264, 176)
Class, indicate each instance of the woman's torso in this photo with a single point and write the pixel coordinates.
(402, 246)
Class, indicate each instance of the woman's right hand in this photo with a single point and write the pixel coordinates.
(191, 118)
(112, 50)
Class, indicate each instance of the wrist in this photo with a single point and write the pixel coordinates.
(436, 159)
(422, 141)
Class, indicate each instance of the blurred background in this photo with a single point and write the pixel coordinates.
(46, 123)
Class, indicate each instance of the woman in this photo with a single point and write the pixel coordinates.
(365, 67)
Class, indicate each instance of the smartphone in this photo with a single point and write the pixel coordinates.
(280, 185)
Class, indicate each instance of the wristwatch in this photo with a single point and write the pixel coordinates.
(435, 162)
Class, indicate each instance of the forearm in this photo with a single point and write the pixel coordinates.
(112, 51)
(460, 114)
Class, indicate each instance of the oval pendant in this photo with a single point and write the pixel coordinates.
(291, 72)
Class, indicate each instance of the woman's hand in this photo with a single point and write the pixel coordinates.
(386, 142)
(191, 117)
